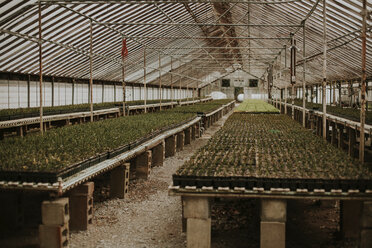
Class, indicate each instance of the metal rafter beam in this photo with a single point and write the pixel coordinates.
(197, 24)
(164, 1)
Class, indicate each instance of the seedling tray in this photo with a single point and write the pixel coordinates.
(269, 183)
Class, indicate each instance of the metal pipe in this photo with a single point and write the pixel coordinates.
(205, 37)
(304, 76)
(41, 73)
(50, 2)
(324, 84)
(91, 71)
(188, 36)
(180, 93)
(222, 53)
(123, 78)
(171, 81)
(293, 72)
(144, 78)
(198, 24)
(99, 23)
(363, 82)
(160, 90)
(80, 50)
(241, 47)
(285, 99)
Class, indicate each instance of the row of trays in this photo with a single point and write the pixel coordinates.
(47, 113)
(267, 183)
(52, 177)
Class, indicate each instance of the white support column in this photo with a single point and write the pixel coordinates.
(304, 76)
(324, 83)
(144, 78)
(198, 214)
(273, 218)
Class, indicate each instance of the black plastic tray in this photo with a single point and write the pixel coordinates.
(52, 177)
(268, 183)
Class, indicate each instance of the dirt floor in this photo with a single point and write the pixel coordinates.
(151, 218)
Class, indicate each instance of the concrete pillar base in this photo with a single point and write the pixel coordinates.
(366, 225)
(53, 236)
(170, 146)
(20, 131)
(54, 230)
(55, 212)
(119, 181)
(158, 154)
(350, 212)
(187, 136)
(198, 233)
(273, 218)
(197, 212)
(193, 132)
(143, 165)
(81, 206)
(180, 141)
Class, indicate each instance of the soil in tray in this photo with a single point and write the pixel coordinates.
(347, 113)
(13, 114)
(201, 108)
(269, 148)
(255, 106)
(59, 148)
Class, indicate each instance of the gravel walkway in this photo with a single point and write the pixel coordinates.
(149, 218)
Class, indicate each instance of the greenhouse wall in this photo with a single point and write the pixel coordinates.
(14, 93)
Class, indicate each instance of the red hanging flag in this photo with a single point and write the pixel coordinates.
(124, 50)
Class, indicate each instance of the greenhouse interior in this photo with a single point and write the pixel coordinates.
(186, 123)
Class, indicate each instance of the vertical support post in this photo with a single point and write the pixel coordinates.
(197, 211)
(119, 181)
(180, 141)
(340, 137)
(334, 93)
(158, 154)
(160, 89)
(170, 146)
(81, 206)
(171, 80)
(285, 99)
(73, 91)
(269, 81)
(144, 78)
(273, 218)
(41, 72)
(54, 230)
(304, 76)
(364, 78)
(324, 84)
(29, 90)
(352, 139)
(187, 92)
(339, 94)
(293, 71)
(180, 90)
(143, 165)
(91, 71)
(52, 91)
(366, 224)
(334, 133)
(123, 85)
(350, 213)
(103, 92)
(114, 92)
